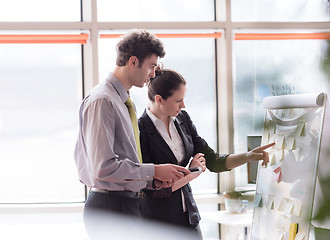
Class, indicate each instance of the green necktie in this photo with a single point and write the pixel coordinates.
(133, 117)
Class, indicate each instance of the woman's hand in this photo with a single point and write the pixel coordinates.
(198, 161)
(259, 153)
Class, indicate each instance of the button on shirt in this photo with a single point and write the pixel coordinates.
(105, 152)
(174, 142)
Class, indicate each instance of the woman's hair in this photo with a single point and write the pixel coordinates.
(139, 43)
(164, 83)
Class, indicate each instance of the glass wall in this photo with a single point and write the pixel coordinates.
(271, 68)
(41, 84)
(40, 11)
(41, 89)
(40, 93)
(52, 73)
(280, 11)
(159, 10)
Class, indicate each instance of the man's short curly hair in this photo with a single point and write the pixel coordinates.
(139, 43)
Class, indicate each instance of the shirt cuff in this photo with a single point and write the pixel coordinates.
(148, 171)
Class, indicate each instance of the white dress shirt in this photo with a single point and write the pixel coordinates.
(174, 141)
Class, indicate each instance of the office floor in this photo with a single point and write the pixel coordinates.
(41, 226)
(70, 226)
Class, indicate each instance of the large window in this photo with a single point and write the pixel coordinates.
(160, 10)
(260, 68)
(271, 68)
(42, 85)
(39, 11)
(280, 11)
(40, 92)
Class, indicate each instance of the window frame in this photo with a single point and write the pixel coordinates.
(224, 54)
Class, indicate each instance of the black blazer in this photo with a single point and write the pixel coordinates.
(155, 150)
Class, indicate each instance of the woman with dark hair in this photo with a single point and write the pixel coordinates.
(169, 136)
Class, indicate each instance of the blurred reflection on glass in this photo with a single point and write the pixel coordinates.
(280, 11)
(40, 93)
(159, 10)
(271, 68)
(39, 10)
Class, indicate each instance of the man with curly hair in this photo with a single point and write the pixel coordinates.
(107, 152)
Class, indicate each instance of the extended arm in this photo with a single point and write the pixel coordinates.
(216, 162)
(257, 154)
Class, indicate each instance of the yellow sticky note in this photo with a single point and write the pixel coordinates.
(290, 142)
(271, 138)
(293, 231)
(265, 137)
(300, 128)
(278, 155)
(279, 142)
(272, 128)
(271, 155)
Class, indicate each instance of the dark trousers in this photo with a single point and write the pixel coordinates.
(194, 228)
(106, 215)
(110, 217)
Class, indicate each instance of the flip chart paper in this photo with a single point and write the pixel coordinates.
(279, 142)
(289, 207)
(283, 223)
(272, 158)
(300, 128)
(289, 142)
(278, 155)
(293, 101)
(297, 155)
(282, 205)
(272, 128)
(258, 200)
(300, 235)
(256, 214)
(297, 207)
(280, 222)
(265, 137)
(280, 235)
(271, 138)
(286, 224)
(270, 204)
